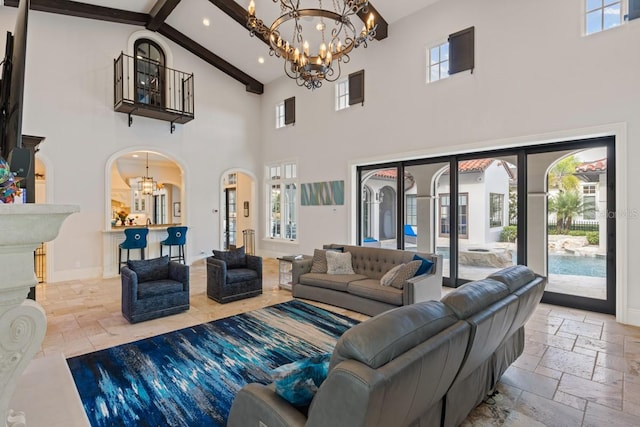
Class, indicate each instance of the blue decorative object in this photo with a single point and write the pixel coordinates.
(298, 382)
(425, 267)
(191, 376)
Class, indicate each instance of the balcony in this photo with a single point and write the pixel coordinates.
(145, 88)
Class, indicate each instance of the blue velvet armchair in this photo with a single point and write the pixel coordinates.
(232, 275)
(154, 288)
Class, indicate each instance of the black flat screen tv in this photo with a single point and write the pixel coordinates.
(12, 95)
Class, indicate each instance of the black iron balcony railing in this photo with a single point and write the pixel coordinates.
(145, 88)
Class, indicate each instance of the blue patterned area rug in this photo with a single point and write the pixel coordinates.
(191, 376)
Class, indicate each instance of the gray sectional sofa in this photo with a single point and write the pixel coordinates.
(362, 291)
(425, 364)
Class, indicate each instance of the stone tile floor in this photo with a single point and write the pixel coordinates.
(578, 368)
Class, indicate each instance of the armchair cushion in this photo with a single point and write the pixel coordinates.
(158, 287)
(241, 275)
(234, 258)
(150, 269)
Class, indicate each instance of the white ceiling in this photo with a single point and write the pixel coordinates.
(231, 41)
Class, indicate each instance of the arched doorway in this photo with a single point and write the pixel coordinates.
(164, 205)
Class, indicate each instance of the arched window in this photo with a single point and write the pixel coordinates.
(149, 71)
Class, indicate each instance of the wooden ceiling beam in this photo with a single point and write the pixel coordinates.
(251, 84)
(238, 14)
(382, 31)
(160, 12)
(83, 10)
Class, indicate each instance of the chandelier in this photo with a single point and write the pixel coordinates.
(147, 185)
(331, 32)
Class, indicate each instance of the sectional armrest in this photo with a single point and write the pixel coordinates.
(256, 403)
(300, 267)
(425, 287)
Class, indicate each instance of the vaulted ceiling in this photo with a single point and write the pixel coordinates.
(225, 43)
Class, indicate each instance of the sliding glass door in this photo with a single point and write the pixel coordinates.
(548, 206)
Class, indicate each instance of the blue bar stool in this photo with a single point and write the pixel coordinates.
(177, 237)
(134, 238)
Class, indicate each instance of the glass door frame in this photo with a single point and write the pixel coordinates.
(572, 301)
(607, 305)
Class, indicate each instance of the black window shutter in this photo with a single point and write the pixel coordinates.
(634, 9)
(290, 110)
(356, 87)
(461, 50)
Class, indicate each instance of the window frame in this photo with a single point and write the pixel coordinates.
(496, 210)
(439, 63)
(411, 209)
(282, 202)
(603, 6)
(589, 192)
(342, 99)
(463, 215)
(280, 114)
(160, 68)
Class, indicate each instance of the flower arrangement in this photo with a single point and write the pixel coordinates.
(122, 215)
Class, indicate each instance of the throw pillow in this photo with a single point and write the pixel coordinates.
(235, 258)
(339, 263)
(299, 381)
(319, 264)
(407, 271)
(390, 275)
(150, 269)
(425, 267)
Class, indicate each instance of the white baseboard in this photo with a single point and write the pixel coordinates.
(632, 317)
(75, 274)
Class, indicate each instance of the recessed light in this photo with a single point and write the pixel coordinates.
(261, 60)
(206, 22)
(135, 155)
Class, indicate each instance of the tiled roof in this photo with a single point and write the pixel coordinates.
(595, 166)
(478, 165)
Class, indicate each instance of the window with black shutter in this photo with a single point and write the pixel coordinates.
(462, 51)
(356, 87)
(290, 111)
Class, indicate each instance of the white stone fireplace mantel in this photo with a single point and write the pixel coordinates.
(23, 227)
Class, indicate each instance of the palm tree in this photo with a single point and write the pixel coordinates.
(566, 205)
(562, 175)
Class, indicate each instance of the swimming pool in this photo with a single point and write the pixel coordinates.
(564, 264)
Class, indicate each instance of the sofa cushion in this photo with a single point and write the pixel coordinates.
(407, 271)
(371, 289)
(390, 275)
(336, 282)
(472, 297)
(158, 287)
(298, 382)
(150, 269)
(425, 267)
(234, 258)
(319, 263)
(514, 277)
(390, 334)
(339, 263)
(237, 275)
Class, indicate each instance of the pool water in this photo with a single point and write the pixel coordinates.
(578, 265)
(564, 264)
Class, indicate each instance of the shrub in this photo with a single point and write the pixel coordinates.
(577, 233)
(509, 233)
(593, 237)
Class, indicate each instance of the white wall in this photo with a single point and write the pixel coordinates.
(69, 100)
(536, 79)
